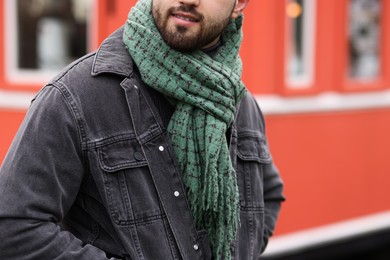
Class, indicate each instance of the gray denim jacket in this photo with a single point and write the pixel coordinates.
(91, 173)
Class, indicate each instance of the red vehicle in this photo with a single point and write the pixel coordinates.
(320, 70)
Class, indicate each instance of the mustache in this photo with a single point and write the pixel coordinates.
(186, 9)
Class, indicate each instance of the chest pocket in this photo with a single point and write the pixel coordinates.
(128, 185)
(253, 153)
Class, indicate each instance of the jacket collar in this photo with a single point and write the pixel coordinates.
(113, 57)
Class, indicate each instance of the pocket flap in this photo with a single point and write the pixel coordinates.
(253, 148)
(121, 155)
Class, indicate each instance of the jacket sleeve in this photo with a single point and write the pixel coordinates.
(273, 187)
(273, 196)
(39, 180)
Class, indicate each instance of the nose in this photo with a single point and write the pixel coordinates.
(190, 2)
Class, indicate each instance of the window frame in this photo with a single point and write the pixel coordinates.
(304, 81)
(283, 87)
(31, 79)
(346, 84)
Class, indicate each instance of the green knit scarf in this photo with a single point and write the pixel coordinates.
(205, 92)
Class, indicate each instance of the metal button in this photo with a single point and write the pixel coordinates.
(161, 148)
(196, 247)
(177, 194)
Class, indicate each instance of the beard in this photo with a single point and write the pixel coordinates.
(181, 38)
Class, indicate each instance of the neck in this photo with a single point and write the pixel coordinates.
(215, 42)
(212, 49)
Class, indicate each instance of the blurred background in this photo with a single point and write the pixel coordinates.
(320, 71)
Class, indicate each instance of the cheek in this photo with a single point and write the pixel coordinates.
(221, 13)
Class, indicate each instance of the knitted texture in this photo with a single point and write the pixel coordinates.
(205, 91)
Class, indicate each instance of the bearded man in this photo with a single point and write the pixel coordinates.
(149, 148)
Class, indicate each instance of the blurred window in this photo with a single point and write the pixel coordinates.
(364, 33)
(43, 36)
(300, 36)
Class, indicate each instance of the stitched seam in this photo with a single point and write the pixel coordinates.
(140, 221)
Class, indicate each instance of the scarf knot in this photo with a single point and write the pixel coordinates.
(205, 92)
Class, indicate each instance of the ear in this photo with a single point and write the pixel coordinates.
(240, 6)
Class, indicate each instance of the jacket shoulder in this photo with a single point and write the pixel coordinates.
(249, 116)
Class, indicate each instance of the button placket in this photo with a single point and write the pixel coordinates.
(163, 173)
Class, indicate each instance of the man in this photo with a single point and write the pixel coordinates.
(150, 148)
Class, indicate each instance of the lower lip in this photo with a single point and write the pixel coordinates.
(183, 22)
